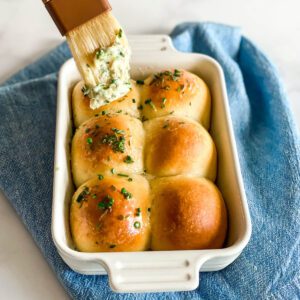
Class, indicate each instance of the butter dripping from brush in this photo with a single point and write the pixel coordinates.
(111, 67)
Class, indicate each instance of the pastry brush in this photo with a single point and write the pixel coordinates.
(88, 26)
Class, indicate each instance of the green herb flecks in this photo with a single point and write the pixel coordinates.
(89, 140)
(85, 90)
(118, 131)
(138, 212)
(115, 140)
(126, 194)
(82, 196)
(122, 175)
(140, 82)
(106, 203)
(137, 225)
(128, 160)
(120, 33)
(163, 102)
(149, 102)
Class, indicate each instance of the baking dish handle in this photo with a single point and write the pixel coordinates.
(163, 271)
(150, 43)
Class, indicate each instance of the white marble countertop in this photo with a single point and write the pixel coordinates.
(27, 32)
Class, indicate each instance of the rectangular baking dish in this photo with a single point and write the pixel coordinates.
(154, 270)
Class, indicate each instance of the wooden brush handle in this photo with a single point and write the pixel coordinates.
(68, 14)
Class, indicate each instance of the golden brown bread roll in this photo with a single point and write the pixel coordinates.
(111, 214)
(176, 92)
(177, 145)
(187, 213)
(106, 145)
(82, 111)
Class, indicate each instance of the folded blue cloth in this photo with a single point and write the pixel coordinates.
(268, 147)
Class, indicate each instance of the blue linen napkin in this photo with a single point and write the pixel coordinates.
(269, 153)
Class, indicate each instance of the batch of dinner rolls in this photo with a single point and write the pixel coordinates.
(144, 167)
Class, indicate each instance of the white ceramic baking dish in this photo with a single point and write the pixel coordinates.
(154, 270)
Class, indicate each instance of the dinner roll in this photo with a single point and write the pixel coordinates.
(186, 214)
(177, 145)
(111, 214)
(81, 104)
(106, 145)
(176, 92)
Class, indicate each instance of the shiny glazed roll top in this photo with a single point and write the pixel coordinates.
(177, 145)
(111, 214)
(176, 92)
(187, 213)
(106, 145)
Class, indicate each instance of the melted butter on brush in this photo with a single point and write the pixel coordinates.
(111, 68)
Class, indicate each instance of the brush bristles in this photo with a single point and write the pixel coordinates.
(84, 40)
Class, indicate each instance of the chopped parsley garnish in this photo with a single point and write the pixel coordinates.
(140, 107)
(122, 175)
(100, 177)
(130, 179)
(163, 100)
(118, 131)
(89, 140)
(120, 33)
(106, 203)
(113, 171)
(99, 53)
(138, 212)
(176, 73)
(149, 102)
(85, 90)
(140, 82)
(133, 101)
(94, 196)
(103, 112)
(115, 140)
(128, 160)
(82, 196)
(126, 194)
(87, 130)
(137, 225)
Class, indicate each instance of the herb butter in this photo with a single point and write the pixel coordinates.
(111, 68)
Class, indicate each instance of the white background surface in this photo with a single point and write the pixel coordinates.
(27, 32)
